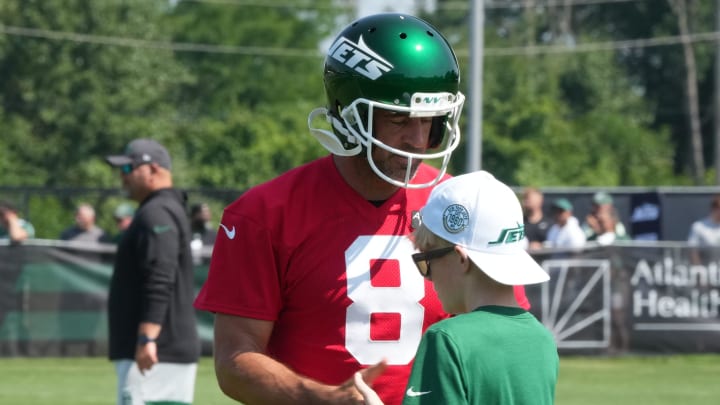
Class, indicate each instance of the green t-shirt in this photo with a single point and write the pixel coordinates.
(27, 226)
(494, 355)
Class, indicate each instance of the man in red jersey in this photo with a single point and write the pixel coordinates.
(311, 277)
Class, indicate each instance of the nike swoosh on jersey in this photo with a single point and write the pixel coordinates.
(230, 233)
(411, 393)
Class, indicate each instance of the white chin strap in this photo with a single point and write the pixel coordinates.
(328, 139)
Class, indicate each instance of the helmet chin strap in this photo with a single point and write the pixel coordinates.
(328, 139)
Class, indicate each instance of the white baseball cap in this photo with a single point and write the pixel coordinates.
(483, 215)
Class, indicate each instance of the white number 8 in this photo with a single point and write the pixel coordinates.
(368, 299)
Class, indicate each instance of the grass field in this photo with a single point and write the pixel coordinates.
(662, 380)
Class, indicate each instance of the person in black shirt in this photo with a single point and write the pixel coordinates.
(202, 228)
(536, 224)
(150, 313)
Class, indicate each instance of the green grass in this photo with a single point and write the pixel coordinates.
(85, 380)
(658, 380)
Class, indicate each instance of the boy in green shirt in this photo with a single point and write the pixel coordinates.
(491, 351)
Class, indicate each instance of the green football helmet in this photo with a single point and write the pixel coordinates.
(395, 62)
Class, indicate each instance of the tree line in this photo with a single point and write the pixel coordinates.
(227, 87)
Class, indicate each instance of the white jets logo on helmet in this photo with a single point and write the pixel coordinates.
(359, 57)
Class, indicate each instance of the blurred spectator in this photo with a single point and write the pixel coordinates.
(123, 217)
(536, 224)
(12, 226)
(85, 228)
(202, 228)
(602, 207)
(607, 226)
(566, 231)
(705, 233)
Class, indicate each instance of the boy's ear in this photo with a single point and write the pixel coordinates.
(464, 259)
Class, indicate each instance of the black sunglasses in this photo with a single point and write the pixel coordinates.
(422, 259)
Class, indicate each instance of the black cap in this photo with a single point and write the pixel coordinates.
(141, 151)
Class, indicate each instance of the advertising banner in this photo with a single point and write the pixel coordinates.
(630, 298)
(635, 297)
(53, 299)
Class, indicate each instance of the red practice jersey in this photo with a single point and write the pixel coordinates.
(331, 270)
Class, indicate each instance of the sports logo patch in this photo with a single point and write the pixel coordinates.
(359, 57)
(456, 218)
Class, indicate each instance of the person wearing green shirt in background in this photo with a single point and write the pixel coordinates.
(12, 226)
(492, 351)
(123, 216)
(602, 224)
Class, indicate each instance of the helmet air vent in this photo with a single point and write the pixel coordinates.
(403, 35)
(430, 33)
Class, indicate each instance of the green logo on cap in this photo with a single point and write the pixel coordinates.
(510, 235)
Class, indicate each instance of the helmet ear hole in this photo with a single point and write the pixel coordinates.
(437, 131)
(363, 111)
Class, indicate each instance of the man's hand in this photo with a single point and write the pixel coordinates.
(363, 379)
(593, 223)
(146, 356)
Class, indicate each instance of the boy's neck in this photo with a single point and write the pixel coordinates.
(490, 293)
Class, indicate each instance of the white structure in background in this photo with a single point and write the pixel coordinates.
(368, 7)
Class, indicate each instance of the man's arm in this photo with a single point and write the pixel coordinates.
(246, 374)
(160, 265)
(15, 230)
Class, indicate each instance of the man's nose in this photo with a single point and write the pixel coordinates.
(417, 133)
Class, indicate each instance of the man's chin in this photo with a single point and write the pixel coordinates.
(399, 175)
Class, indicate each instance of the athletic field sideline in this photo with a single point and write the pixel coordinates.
(632, 380)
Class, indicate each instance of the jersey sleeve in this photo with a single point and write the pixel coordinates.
(244, 275)
(437, 375)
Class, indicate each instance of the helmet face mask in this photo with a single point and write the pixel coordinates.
(398, 63)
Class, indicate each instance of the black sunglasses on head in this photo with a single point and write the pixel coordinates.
(422, 259)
